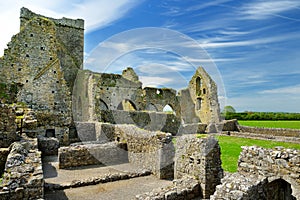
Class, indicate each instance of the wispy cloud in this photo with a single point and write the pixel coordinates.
(291, 90)
(248, 42)
(97, 14)
(265, 9)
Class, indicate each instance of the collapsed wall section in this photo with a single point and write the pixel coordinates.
(23, 175)
(263, 174)
(199, 158)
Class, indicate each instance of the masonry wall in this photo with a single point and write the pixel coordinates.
(263, 174)
(8, 128)
(270, 131)
(203, 92)
(153, 121)
(150, 150)
(92, 154)
(23, 175)
(199, 158)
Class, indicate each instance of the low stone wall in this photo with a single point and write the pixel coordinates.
(152, 121)
(101, 178)
(262, 136)
(270, 131)
(276, 163)
(8, 127)
(149, 150)
(238, 186)
(199, 158)
(229, 125)
(92, 154)
(192, 128)
(263, 174)
(186, 188)
(48, 145)
(23, 175)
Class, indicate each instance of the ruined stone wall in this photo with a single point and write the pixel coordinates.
(187, 106)
(70, 36)
(23, 175)
(186, 188)
(95, 92)
(203, 92)
(270, 131)
(8, 128)
(156, 99)
(43, 59)
(199, 158)
(152, 151)
(153, 121)
(92, 154)
(273, 163)
(263, 174)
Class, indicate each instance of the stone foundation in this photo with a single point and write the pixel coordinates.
(270, 131)
(92, 154)
(187, 188)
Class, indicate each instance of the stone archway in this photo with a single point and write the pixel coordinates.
(279, 189)
(127, 105)
(151, 107)
(169, 109)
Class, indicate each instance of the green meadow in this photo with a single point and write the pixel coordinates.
(271, 124)
(231, 148)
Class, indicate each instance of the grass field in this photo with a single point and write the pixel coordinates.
(271, 124)
(231, 148)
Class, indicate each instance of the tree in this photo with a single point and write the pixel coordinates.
(228, 109)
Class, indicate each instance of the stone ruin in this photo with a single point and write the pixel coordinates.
(51, 106)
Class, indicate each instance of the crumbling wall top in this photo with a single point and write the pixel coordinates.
(75, 23)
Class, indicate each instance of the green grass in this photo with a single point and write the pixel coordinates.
(231, 148)
(271, 124)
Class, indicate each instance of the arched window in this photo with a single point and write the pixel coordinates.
(151, 107)
(198, 86)
(126, 105)
(168, 109)
(198, 103)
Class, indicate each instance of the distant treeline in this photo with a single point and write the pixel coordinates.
(261, 116)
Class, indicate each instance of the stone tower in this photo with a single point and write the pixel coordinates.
(43, 59)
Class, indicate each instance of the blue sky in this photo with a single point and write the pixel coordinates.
(251, 48)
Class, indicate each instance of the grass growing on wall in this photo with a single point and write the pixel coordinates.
(231, 148)
(271, 124)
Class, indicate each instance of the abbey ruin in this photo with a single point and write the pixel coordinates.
(52, 106)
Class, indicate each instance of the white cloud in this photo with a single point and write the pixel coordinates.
(265, 9)
(250, 42)
(96, 13)
(291, 90)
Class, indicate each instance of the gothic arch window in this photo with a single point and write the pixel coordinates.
(198, 103)
(151, 107)
(168, 109)
(198, 85)
(126, 105)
